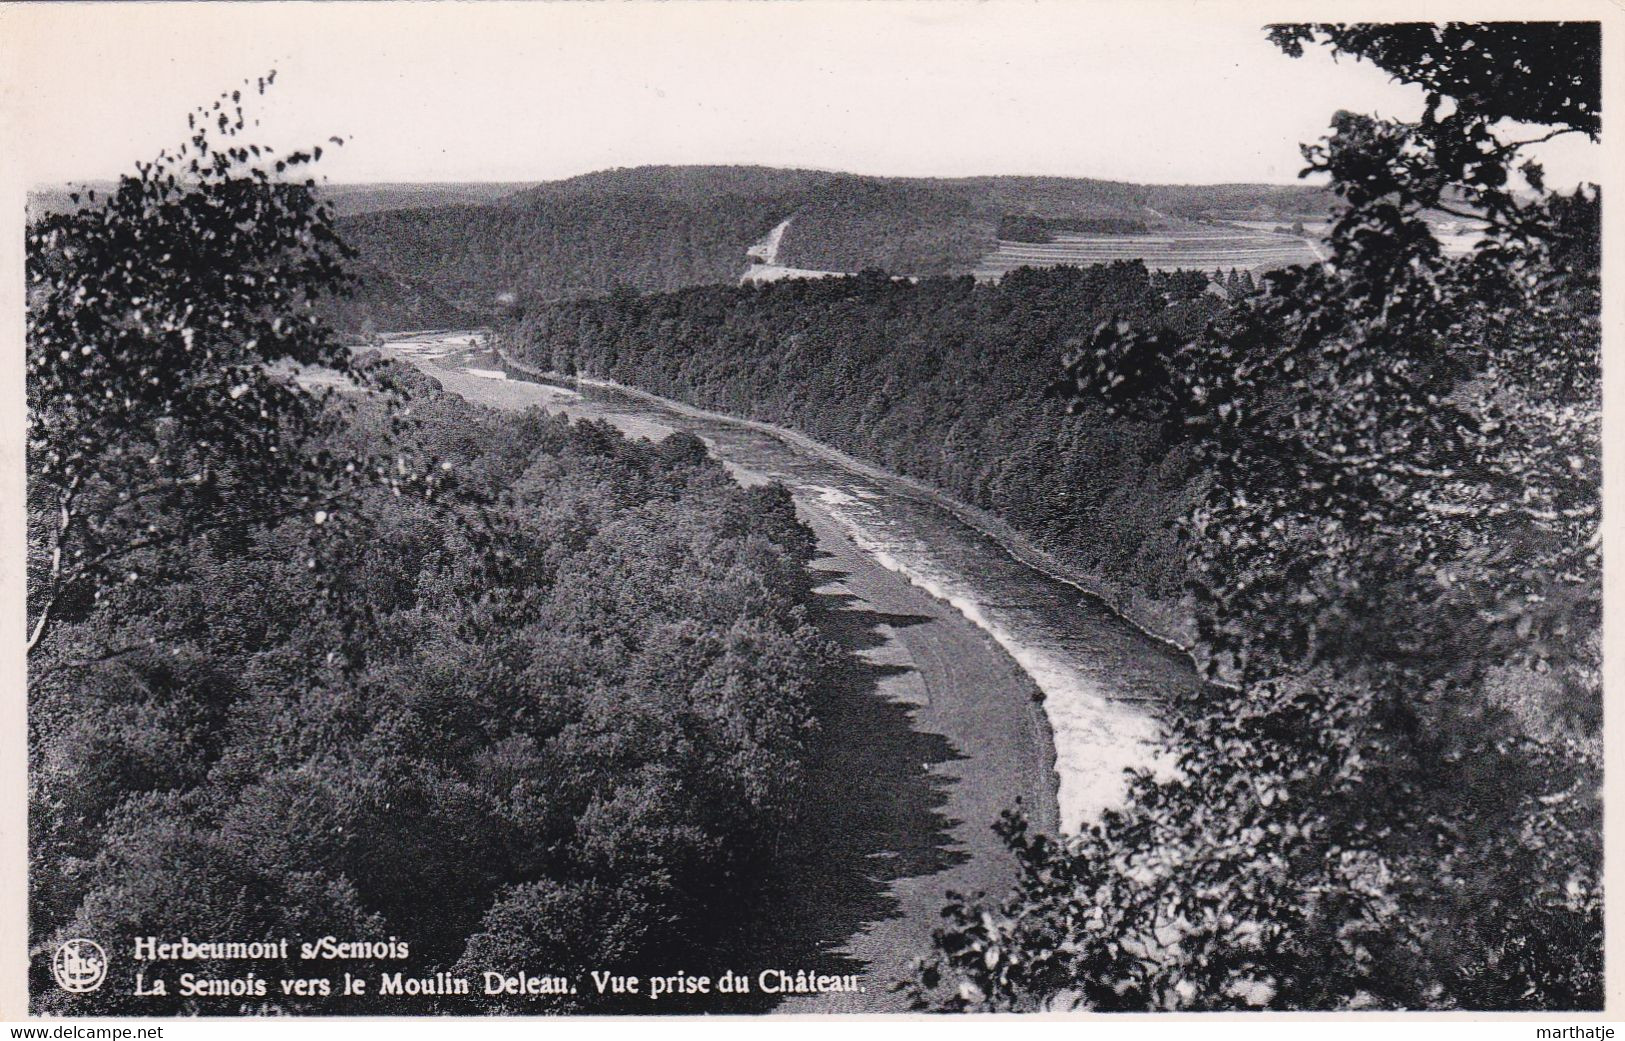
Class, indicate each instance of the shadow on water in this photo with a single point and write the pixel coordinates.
(872, 814)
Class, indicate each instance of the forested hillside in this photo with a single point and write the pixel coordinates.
(547, 247)
(383, 302)
(664, 228)
(316, 649)
(1397, 559)
(557, 720)
(366, 662)
(942, 380)
(1377, 481)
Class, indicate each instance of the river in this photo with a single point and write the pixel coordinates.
(1100, 676)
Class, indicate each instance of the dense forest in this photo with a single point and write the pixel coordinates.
(664, 228)
(316, 649)
(467, 252)
(561, 729)
(1396, 560)
(1376, 481)
(942, 380)
(553, 247)
(385, 302)
(367, 662)
(1024, 227)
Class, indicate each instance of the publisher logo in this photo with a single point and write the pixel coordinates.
(79, 966)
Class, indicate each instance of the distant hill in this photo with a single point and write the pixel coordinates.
(48, 199)
(471, 249)
(387, 302)
(658, 228)
(347, 199)
(558, 246)
(385, 299)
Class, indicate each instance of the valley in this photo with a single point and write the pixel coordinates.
(656, 229)
(1015, 686)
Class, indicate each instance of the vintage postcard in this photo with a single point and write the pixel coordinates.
(805, 508)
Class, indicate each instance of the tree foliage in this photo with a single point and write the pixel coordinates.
(941, 380)
(1396, 802)
(570, 733)
(155, 317)
(553, 715)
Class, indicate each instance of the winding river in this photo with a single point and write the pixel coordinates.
(1100, 676)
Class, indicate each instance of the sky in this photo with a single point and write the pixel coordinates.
(1186, 92)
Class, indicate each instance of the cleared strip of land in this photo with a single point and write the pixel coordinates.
(1198, 249)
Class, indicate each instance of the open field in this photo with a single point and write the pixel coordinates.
(1457, 237)
(777, 272)
(1194, 249)
(767, 250)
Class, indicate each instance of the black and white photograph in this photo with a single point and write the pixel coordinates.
(804, 508)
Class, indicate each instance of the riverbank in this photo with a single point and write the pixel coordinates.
(1157, 619)
(930, 734)
(929, 731)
